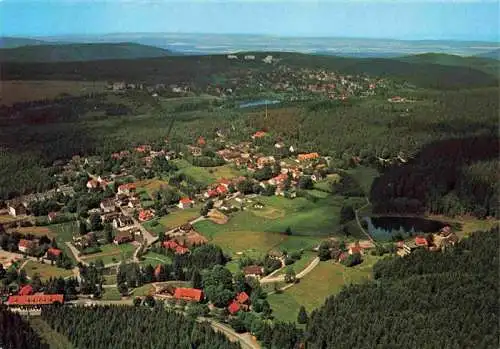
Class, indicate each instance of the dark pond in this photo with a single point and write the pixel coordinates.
(258, 103)
(385, 228)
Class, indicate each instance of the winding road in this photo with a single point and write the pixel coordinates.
(300, 275)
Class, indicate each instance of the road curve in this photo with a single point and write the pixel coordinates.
(300, 275)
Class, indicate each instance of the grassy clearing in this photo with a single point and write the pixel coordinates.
(111, 253)
(233, 266)
(109, 279)
(22, 91)
(111, 294)
(151, 185)
(302, 263)
(467, 225)
(37, 231)
(320, 194)
(179, 217)
(152, 227)
(364, 176)
(249, 242)
(206, 175)
(144, 290)
(46, 271)
(154, 259)
(326, 279)
(5, 218)
(54, 339)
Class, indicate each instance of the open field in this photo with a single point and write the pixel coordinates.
(364, 176)
(144, 290)
(5, 218)
(109, 279)
(46, 271)
(249, 242)
(467, 225)
(154, 259)
(54, 339)
(37, 231)
(301, 264)
(64, 232)
(22, 91)
(7, 257)
(206, 175)
(179, 217)
(111, 294)
(111, 253)
(326, 279)
(151, 185)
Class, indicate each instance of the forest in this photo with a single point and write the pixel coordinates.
(16, 332)
(425, 300)
(117, 327)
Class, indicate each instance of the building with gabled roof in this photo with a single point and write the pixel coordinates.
(188, 294)
(35, 300)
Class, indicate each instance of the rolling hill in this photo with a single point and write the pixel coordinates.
(45, 53)
(483, 63)
(201, 69)
(492, 54)
(13, 42)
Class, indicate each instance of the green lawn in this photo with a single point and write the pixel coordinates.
(46, 271)
(364, 176)
(154, 228)
(109, 279)
(206, 175)
(54, 339)
(302, 263)
(64, 232)
(112, 253)
(326, 279)
(111, 294)
(179, 217)
(144, 290)
(233, 266)
(154, 259)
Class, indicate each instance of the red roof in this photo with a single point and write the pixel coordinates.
(181, 250)
(212, 193)
(26, 290)
(233, 308)
(421, 241)
(221, 189)
(224, 181)
(185, 201)
(253, 269)
(170, 244)
(201, 141)
(145, 215)
(355, 249)
(25, 243)
(54, 251)
(35, 299)
(127, 186)
(242, 297)
(191, 294)
(259, 134)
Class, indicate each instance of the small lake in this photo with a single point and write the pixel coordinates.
(258, 103)
(384, 228)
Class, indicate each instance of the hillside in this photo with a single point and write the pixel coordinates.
(200, 69)
(483, 62)
(79, 52)
(492, 54)
(424, 300)
(12, 42)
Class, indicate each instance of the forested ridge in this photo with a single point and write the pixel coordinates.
(425, 300)
(116, 327)
(16, 333)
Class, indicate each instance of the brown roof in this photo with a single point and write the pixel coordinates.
(253, 269)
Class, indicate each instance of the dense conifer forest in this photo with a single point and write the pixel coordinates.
(15, 332)
(425, 300)
(116, 327)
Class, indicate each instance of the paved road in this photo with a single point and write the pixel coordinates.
(245, 342)
(300, 275)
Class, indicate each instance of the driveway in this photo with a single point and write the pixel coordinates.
(304, 272)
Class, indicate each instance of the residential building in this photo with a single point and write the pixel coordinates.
(253, 270)
(53, 252)
(307, 157)
(189, 294)
(123, 237)
(16, 209)
(107, 205)
(249, 58)
(52, 216)
(25, 245)
(259, 134)
(146, 215)
(122, 221)
(127, 189)
(185, 203)
(35, 300)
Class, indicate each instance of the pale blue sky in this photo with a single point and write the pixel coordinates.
(403, 19)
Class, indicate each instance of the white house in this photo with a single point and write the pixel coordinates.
(185, 203)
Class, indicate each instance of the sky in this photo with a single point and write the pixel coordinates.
(393, 19)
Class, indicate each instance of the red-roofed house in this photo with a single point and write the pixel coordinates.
(92, 184)
(26, 290)
(355, 249)
(201, 141)
(126, 189)
(146, 215)
(181, 250)
(310, 156)
(39, 299)
(53, 252)
(233, 308)
(188, 294)
(242, 297)
(279, 179)
(24, 245)
(259, 134)
(211, 194)
(253, 270)
(170, 244)
(221, 189)
(185, 203)
(421, 241)
(224, 182)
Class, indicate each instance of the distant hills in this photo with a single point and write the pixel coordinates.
(43, 52)
(11, 42)
(495, 54)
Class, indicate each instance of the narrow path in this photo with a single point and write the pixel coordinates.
(300, 275)
(359, 223)
(246, 343)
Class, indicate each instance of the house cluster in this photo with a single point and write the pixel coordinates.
(180, 293)
(432, 242)
(186, 236)
(27, 298)
(240, 302)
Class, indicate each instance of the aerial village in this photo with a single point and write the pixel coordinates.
(134, 217)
